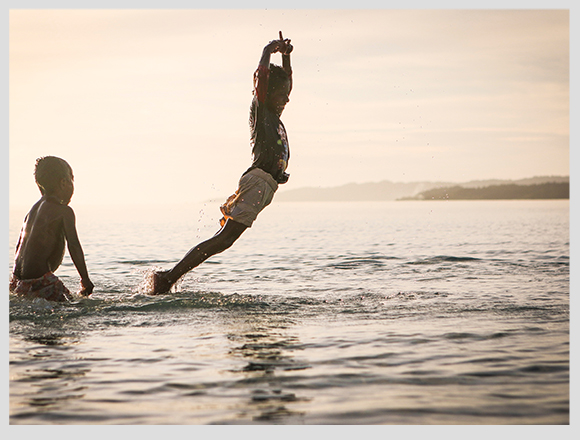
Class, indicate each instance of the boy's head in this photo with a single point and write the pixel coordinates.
(51, 173)
(278, 89)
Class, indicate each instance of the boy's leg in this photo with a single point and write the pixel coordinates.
(232, 230)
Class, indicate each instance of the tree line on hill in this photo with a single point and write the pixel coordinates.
(549, 190)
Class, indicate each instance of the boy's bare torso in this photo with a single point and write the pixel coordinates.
(41, 244)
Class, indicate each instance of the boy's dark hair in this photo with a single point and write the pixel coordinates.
(49, 171)
(277, 77)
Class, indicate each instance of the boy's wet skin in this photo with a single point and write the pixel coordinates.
(43, 242)
(48, 226)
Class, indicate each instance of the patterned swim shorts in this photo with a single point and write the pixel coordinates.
(255, 191)
(47, 286)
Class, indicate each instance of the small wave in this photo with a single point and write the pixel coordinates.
(143, 262)
(417, 294)
(47, 312)
(353, 262)
(184, 301)
(444, 259)
(475, 336)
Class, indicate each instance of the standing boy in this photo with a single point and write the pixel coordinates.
(49, 224)
(272, 85)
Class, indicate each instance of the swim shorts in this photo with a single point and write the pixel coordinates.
(255, 191)
(47, 286)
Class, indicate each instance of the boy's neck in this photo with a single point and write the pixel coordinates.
(52, 198)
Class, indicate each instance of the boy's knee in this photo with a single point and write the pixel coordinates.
(217, 245)
(226, 237)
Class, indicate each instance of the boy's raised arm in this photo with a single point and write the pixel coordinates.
(270, 48)
(76, 251)
(285, 51)
(261, 77)
(263, 71)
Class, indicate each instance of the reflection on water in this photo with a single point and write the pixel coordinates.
(46, 374)
(263, 342)
(58, 376)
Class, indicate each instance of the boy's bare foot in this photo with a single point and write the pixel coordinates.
(160, 283)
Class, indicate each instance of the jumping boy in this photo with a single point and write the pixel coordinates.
(40, 247)
(272, 85)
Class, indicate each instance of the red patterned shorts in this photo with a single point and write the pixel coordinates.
(47, 286)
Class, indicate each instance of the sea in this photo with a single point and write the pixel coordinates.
(334, 313)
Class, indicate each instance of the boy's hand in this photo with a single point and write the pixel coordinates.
(285, 46)
(281, 45)
(287, 49)
(274, 46)
(87, 287)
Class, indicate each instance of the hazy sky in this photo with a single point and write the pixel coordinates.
(152, 105)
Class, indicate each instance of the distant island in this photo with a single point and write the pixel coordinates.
(543, 187)
(550, 190)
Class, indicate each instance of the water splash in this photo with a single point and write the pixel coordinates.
(145, 287)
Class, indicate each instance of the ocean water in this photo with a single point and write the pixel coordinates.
(378, 313)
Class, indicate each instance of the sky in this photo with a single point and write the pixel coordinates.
(150, 106)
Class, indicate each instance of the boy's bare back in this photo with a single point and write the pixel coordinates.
(41, 244)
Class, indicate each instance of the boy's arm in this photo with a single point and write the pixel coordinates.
(286, 49)
(263, 72)
(287, 68)
(270, 48)
(76, 251)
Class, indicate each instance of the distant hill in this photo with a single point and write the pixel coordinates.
(549, 190)
(386, 190)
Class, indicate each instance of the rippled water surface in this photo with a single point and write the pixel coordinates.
(332, 313)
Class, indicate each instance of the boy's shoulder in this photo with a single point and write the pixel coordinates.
(47, 208)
